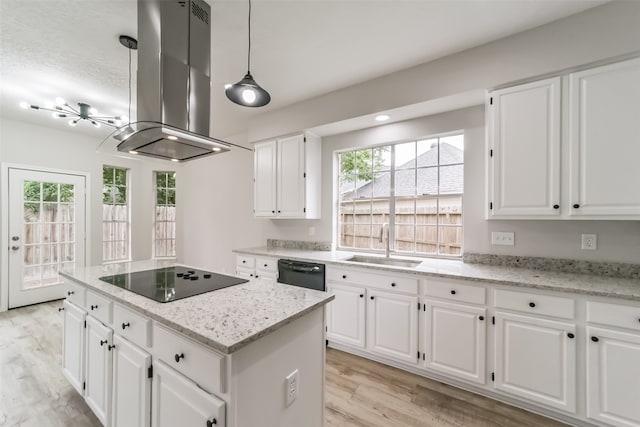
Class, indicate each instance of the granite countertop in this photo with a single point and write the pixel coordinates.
(226, 320)
(589, 284)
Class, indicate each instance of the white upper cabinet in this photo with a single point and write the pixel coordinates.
(524, 129)
(287, 177)
(604, 140)
(264, 187)
(566, 147)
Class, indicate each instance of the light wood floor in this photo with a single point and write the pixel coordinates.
(359, 392)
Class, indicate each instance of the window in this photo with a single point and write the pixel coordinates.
(115, 214)
(164, 238)
(416, 187)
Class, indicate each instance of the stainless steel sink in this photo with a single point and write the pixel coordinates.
(384, 261)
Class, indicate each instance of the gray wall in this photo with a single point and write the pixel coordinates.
(222, 219)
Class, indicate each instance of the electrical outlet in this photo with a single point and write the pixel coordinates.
(291, 389)
(506, 238)
(590, 242)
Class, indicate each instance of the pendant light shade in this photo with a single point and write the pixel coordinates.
(247, 92)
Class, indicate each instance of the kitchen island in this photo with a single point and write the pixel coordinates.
(250, 354)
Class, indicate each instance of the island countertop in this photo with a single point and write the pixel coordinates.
(226, 319)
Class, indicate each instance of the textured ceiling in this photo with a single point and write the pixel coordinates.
(301, 48)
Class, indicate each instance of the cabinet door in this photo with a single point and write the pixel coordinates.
(264, 186)
(291, 189)
(392, 325)
(346, 315)
(98, 369)
(535, 359)
(73, 345)
(455, 337)
(524, 139)
(131, 385)
(613, 377)
(178, 401)
(604, 140)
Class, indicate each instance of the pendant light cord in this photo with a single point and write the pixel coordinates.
(129, 116)
(249, 50)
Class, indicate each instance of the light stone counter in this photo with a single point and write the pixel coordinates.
(226, 319)
(628, 289)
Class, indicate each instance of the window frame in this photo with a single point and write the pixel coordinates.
(154, 238)
(128, 211)
(392, 198)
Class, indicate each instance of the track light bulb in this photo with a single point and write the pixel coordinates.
(60, 101)
(73, 122)
(24, 105)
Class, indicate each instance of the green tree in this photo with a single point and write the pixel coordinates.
(361, 164)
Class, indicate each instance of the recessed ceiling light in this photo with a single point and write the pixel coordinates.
(173, 138)
(227, 86)
(133, 152)
(382, 118)
(175, 160)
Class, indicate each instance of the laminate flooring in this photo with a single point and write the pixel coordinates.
(359, 392)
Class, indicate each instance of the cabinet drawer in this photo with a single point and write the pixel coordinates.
(535, 303)
(267, 264)
(99, 307)
(455, 290)
(373, 280)
(200, 364)
(624, 316)
(245, 261)
(267, 275)
(134, 327)
(245, 273)
(75, 293)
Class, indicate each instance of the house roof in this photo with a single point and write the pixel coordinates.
(425, 177)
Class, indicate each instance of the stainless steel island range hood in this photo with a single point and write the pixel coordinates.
(174, 74)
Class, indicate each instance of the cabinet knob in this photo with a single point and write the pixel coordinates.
(361, 295)
(265, 265)
(178, 357)
(111, 347)
(125, 325)
(244, 261)
(453, 292)
(481, 317)
(570, 335)
(393, 285)
(344, 276)
(69, 293)
(256, 276)
(212, 422)
(279, 211)
(93, 307)
(103, 342)
(556, 206)
(532, 304)
(61, 309)
(595, 339)
(576, 206)
(251, 275)
(273, 211)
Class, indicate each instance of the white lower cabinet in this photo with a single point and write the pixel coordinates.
(178, 401)
(131, 385)
(346, 315)
(73, 346)
(455, 339)
(99, 346)
(535, 359)
(613, 376)
(392, 325)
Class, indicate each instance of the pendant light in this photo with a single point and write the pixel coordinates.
(247, 92)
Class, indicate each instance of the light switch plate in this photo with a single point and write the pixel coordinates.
(506, 238)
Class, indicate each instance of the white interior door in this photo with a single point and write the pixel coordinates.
(46, 233)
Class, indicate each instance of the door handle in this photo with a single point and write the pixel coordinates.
(15, 248)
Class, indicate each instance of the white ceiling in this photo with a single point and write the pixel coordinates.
(300, 48)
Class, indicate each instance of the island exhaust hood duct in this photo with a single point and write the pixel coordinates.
(174, 69)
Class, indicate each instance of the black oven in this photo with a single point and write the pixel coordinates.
(304, 274)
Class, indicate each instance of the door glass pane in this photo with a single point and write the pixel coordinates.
(48, 222)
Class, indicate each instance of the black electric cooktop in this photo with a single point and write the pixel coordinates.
(171, 283)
